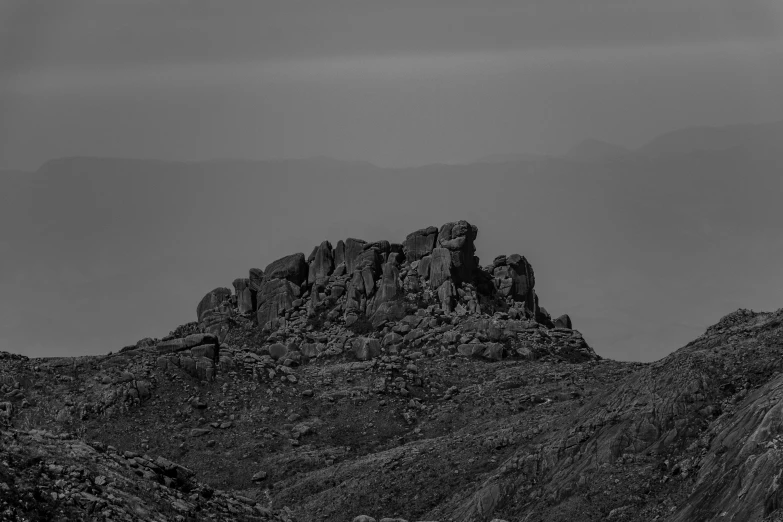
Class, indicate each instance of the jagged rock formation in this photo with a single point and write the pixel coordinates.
(397, 380)
(428, 293)
(423, 422)
(360, 279)
(246, 297)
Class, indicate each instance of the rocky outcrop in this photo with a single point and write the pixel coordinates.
(197, 355)
(256, 279)
(564, 321)
(458, 238)
(212, 300)
(379, 280)
(185, 343)
(339, 253)
(352, 250)
(321, 264)
(439, 267)
(218, 320)
(292, 268)
(420, 243)
(513, 277)
(388, 289)
(275, 298)
(245, 296)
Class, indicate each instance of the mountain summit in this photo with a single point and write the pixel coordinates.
(404, 380)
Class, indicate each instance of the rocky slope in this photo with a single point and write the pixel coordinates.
(406, 381)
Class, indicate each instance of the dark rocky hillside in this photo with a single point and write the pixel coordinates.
(372, 380)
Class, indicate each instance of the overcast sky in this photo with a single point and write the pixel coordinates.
(643, 262)
(395, 83)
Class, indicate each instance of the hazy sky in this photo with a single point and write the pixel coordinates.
(395, 83)
(643, 260)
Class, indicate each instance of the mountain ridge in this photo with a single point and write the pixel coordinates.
(373, 379)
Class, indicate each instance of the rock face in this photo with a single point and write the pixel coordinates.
(513, 277)
(439, 267)
(212, 300)
(321, 263)
(292, 268)
(256, 279)
(275, 298)
(246, 298)
(389, 287)
(563, 322)
(358, 278)
(458, 238)
(420, 243)
(195, 354)
(353, 249)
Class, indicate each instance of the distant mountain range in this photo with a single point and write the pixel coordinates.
(392, 371)
(706, 202)
(749, 137)
(761, 138)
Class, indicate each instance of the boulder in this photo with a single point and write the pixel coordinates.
(321, 264)
(212, 300)
(471, 350)
(201, 368)
(458, 237)
(564, 321)
(256, 279)
(218, 320)
(208, 351)
(522, 274)
(354, 294)
(366, 348)
(440, 267)
(383, 247)
(419, 244)
(369, 259)
(339, 253)
(292, 268)
(276, 296)
(278, 351)
(245, 297)
(389, 287)
(392, 338)
(446, 295)
(311, 350)
(353, 249)
(396, 254)
(369, 281)
(388, 311)
(493, 351)
(185, 343)
(424, 266)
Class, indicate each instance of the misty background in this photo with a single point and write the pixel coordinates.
(144, 148)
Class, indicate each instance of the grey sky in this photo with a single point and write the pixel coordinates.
(98, 254)
(396, 83)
